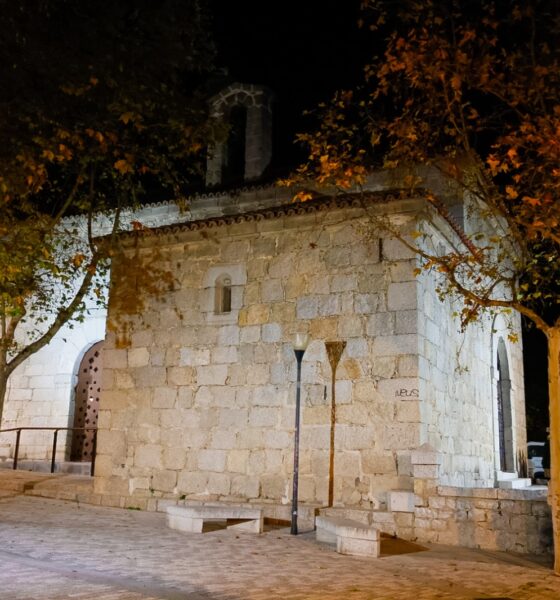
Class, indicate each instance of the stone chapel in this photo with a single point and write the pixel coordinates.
(197, 401)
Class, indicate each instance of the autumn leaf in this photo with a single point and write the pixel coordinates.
(531, 201)
(123, 166)
(126, 117)
(78, 259)
(511, 192)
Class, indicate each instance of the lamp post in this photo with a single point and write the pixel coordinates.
(301, 340)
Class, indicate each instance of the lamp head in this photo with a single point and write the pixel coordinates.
(301, 341)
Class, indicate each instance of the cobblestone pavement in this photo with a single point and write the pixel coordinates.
(54, 550)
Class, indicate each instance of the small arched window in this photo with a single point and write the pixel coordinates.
(222, 297)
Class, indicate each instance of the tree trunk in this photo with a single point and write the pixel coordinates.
(553, 336)
(3, 389)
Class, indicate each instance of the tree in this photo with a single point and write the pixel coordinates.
(100, 104)
(471, 89)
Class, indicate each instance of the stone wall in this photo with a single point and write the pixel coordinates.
(202, 405)
(41, 390)
(487, 518)
(493, 519)
(458, 383)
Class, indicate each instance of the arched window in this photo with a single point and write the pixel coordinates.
(222, 295)
(505, 421)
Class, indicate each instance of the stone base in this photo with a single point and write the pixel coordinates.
(191, 518)
(351, 537)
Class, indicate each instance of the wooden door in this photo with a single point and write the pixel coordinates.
(86, 407)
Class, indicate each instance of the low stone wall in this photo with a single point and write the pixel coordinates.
(488, 518)
(510, 520)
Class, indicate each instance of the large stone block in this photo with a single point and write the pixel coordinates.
(185, 397)
(343, 283)
(355, 437)
(237, 461)
(228, 335)
(402, 296)
(245, 486)
(219, 484)
(145, 377)
(224, 355)
(138, 357)
(223, 440)
(212, 460)
(193, 357)
(263, 417)
(378, 464)
(338, 257)
(408, 412)
(148, 456)
(250, 334)
(274, 486)
(164, 397)
(407, 366)
(394, 249)
(350, 326)
(271, 333)
(329, 305)
(270, 395)
(278, 439)
(211, 375)
(406, 321)
(307, 307)
(113, 443)
(324, 328)
(116, 358)
(257, 314)
(257, 462)
(395, 345)
(283, 312)
(164, 481)
(401, 501)
(192, 482)
(234, 418)
(172, 458)
(272, 290)
(177, 376)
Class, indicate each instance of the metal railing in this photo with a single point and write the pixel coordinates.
(55, 431)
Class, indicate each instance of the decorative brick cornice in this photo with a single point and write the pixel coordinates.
(358, 200)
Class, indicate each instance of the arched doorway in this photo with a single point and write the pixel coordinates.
(86, 403)
(505, 420)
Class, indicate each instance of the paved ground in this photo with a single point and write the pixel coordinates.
(54, 550)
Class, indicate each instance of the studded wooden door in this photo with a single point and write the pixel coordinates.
(86, 407)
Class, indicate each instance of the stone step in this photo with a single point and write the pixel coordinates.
(384, 520)
(61, 486)
(44, 466)
(515, 484)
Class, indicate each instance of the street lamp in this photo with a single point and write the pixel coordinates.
(301, 340)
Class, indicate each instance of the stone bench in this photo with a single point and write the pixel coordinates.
(350, 536)
(191, 518)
